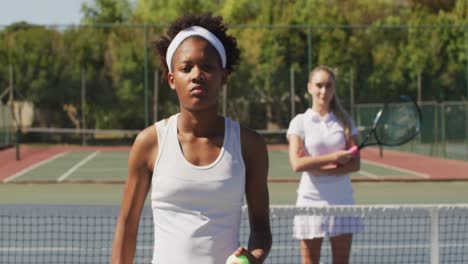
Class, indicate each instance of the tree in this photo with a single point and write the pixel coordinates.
(37, 55)
(106, 12)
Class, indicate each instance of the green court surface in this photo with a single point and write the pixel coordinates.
(93, 177)
(280, 193)
(112, 166)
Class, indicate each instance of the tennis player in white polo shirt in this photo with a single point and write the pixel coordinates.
(318, 143)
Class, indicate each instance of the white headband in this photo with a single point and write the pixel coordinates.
(195, 31)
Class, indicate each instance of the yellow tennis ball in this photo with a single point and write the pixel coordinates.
(237, 260)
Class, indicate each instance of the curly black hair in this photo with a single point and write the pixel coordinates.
(214, 24)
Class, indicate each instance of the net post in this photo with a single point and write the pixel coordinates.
(434, 215)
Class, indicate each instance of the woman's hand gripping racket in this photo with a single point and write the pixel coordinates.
(398, 122)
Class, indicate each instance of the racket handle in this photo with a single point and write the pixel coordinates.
(354, 149)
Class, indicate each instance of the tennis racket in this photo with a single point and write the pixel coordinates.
(396, 123)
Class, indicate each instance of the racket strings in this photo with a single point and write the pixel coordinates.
(398, 123)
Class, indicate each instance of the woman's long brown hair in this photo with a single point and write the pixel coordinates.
(335, 105)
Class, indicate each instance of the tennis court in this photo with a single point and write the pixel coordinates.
(109, 164)
(59, 205)
(77, 224)
(61, 175)
(96, 83)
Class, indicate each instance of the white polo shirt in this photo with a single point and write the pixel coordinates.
(322, 135)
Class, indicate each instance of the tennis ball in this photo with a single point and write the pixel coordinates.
(237, 260)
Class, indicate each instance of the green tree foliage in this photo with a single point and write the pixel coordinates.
(114, 62)
(163, 12)
(37, 56)
(39, 60)
(106, 11)
(382, 46)
(88, 49)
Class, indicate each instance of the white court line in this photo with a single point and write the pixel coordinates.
(422, 175)
(105, 169)
(368, 174)
(77, 166)
(30, 168)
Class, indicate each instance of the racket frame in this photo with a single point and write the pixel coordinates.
(377, 120)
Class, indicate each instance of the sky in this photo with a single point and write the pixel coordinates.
(46, 12)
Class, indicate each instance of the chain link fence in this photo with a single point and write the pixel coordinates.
(106, 77)
(444, 128)
(6, 126)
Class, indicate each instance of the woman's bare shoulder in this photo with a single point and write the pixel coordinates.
(145, 147)
(147, 137)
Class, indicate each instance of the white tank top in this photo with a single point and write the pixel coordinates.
(196, 209)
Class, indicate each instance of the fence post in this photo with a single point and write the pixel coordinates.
(466, 98)
(443, 132)
(11, 95)
(83, 107)
(13, 113)
(155, 96)
(351, 92)
(419, 102)
(145, 28)
(292, 93)
(309, 49)
(419, 87)
(436, 128)
(466, 65)
(465, 104)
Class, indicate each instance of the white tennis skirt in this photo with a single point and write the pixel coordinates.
(314, 226)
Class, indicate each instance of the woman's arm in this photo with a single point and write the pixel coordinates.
(301, 161)
(140, 167)
(352, 165)
(255, 157)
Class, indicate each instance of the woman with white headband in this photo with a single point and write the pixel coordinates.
(198, 164)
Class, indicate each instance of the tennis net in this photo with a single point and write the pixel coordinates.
(391, 233)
